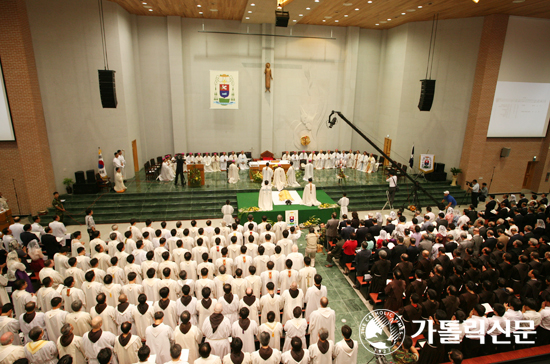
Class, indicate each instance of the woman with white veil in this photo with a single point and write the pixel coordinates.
(379, 219)
(35, 253)
(449, 216)
(442, 230)
(540, 229)
(16, 270)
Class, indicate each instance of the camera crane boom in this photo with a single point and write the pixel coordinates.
(416, 184)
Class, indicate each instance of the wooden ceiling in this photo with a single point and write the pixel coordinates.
(372, 14)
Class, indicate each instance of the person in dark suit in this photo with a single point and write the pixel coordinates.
(342, 223)
(469, 298)
(490, 242)
(437, 282)
(375, 228)
(503, 293)
(530, 219)
(379, 273)
(417, 286)
(532, 288)
(51, 245)
(405, 267)
(515, 236)
(444, 261)
(519, 273)
(424, 263)
(397, 251)
(491, 205)
(472, 213)
(347, 231)
(413, 251)
(26, 236)
(362, 232)
(505, 268)
(180, 165)
(362, 260)
(412, 312)
(332, 228)
(450, 303)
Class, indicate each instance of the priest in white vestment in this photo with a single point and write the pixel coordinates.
(252, 303)
(242, 160)
(292, 297)
(166, 172)
(223, 161)
(344, 203)
(216, 162)
(271, 302)
(40, 350)
(230, 303)
(267, 174)
(297, 354)
(9, 351)
(265, 200)
(295, 327)
(227, 211)
(117, 163)
(188, 336)
(308, 171)
(159, 338)
(119, 182)
(106, 312)
(291, 176)
(325, 317)
(217, 329)
(123, 313)
(70, 344)
(79, 319)
(274, 329)
(309, 197)
(55, 319)
(10, 325)
(371, 164)
(246, 330)
(313, 296)
(345, 350)
(205, 307)
(207, 161)
(127, 345)
(142, 315)
(233, 173)
(279, 179)
(295, 158)
(95, 340)
(30, 320)
(266, 354)
(321, 351)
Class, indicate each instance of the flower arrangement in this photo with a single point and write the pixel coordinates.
(195, 178)
(299, 174)
(312, 221)
(328, 206)
(248, 209)
(257, 177)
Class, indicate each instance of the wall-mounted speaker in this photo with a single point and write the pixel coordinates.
(107, 89)
(504, 152)
(427, 92)
(281, 18)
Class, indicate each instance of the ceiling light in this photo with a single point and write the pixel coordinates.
(150, 9)
(389, 19)
(200, 12)
(147, 6)
(316, 1)
(301, 15)
(356, 9)
(198, 6)
(376, 24)
(249, 11)
(323, 19)
(383, 22)
(294, 20)
(475, 1)
(308, 8)
(328, 17)
(252, 4)
(144, 3)
(403, 13)
(247, 18)
(420, 6)
(336, 21)
(345, 16)
(370, 1)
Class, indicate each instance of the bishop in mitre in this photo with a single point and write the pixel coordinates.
(279, 179)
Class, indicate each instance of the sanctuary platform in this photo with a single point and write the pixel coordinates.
(163, 201)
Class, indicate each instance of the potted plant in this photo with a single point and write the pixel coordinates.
(455, 172)
(69, 183)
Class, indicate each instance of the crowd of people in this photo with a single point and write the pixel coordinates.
(239, 294)
(476, 282)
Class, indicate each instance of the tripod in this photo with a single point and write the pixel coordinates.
(412, 198)
(378, 359)
(387, 201)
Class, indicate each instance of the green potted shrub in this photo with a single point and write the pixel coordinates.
(455, 172)
(68, 182)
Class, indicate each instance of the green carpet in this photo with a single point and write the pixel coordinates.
(304, 212)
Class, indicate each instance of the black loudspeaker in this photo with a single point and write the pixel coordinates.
(439, 167)
(90, 176)
(505, 152)
(85, 188)
(79, 177)
(427, 92)
(281, 18)
(107, 88)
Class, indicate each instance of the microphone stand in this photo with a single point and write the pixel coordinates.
(16, 198)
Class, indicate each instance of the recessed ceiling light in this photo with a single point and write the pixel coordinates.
(249, 11)
(376, 24)
(213, 10)
(247, 18)
(252, 4)
(144, 3)
(356, 9)
(294, 20)
(336, 21)
(323, 19)
(200, 12)
(198, 6)
(345, 16)
(301, 15)
(150, 9)
(389, 19)
(403, 13)
(308, 8)
(370, 1)
(420, 6)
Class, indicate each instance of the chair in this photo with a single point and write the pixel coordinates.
(150, 172)
(159, 160)
(267, 156)
(152, 162)
(102, 183)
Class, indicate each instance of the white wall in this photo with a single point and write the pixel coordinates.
(163, 66)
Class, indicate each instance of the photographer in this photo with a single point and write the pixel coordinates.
(474, 188)
(392, 180)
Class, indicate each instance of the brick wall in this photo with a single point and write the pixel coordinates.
(27, 160)
(481, 155)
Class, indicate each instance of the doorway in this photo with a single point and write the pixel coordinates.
(529, 172)
(135, 154)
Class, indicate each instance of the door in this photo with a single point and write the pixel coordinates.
(529, 174)
(135, 153)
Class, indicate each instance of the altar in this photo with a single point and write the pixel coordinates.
(257, 166)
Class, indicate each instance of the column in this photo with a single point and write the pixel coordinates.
(268, 56)
(350, 80)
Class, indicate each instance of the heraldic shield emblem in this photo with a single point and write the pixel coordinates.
(225, 90)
